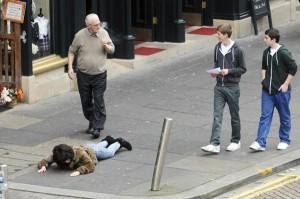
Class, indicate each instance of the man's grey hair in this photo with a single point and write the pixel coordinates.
(90, 17)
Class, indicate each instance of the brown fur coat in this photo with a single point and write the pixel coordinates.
(84, 160)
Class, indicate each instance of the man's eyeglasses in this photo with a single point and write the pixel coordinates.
(95, 25)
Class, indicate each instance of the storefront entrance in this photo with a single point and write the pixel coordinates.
(143, 19)
(158, 20)
(198, 12)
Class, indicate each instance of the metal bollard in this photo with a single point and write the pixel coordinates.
(160, 157)
(3, 180)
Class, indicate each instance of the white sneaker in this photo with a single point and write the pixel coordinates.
(233, 146)
(256, 147)
(211, 148)
(282, 146)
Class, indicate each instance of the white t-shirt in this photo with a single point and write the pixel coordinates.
(274, 50)
(225, 49)
(43, 26)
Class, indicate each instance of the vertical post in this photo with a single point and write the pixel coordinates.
(175, 22)
(159, 28)
(255, 25)
(293, 8)
(160, 157)
(269, 14)
(18, 57)
(207, 12)
(3, 181)
(26, 47)
(121, 29)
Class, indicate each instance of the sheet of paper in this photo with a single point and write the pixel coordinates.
(214, 70)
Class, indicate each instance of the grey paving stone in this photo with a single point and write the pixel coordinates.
(23, 137)
(13, 121)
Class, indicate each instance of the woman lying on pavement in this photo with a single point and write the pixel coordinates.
(83, 159)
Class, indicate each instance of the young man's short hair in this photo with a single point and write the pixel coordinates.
(273, 33)
(61, 153)
(225, 29)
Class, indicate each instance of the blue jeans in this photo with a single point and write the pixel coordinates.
(280, 101)
(102, 152)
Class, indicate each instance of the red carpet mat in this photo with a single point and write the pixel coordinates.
(147, 50)
(204, 31)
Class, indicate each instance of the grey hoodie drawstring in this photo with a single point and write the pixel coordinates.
(216, 54)
(232, 55)
(271, 76)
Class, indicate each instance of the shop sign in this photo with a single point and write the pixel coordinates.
(14, 11)
(260, 8)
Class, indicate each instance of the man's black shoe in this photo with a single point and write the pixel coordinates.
(124, 144)
(109, 140)
(96, 133)
(90, 129)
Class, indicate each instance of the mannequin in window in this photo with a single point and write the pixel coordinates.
(34, 29)
(33, 7)
(43, 33)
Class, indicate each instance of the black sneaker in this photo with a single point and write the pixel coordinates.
(124, 144)
(90, 129)
(109, 140)
(96, 134)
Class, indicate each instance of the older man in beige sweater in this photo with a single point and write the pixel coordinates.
(90, 47)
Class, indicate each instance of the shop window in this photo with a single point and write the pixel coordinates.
(40, 32)
(191, 5)
(142, 13)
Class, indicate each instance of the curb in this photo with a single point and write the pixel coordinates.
(268, 187)
(248, 175)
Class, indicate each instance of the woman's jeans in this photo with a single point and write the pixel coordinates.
(102, 152)
(280, 101)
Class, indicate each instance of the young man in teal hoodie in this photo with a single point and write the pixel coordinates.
(278, 70)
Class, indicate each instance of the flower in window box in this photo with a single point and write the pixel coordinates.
(35, 49)
(20, 95)
(9, 95)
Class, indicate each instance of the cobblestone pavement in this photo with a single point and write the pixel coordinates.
(22, 159)
(287, 191)
(284, 185)
(18, 159)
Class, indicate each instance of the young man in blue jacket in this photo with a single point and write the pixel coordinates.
(229, 57)
(278, 70)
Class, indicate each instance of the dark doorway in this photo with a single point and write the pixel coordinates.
(142, 19)
(198, 12)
